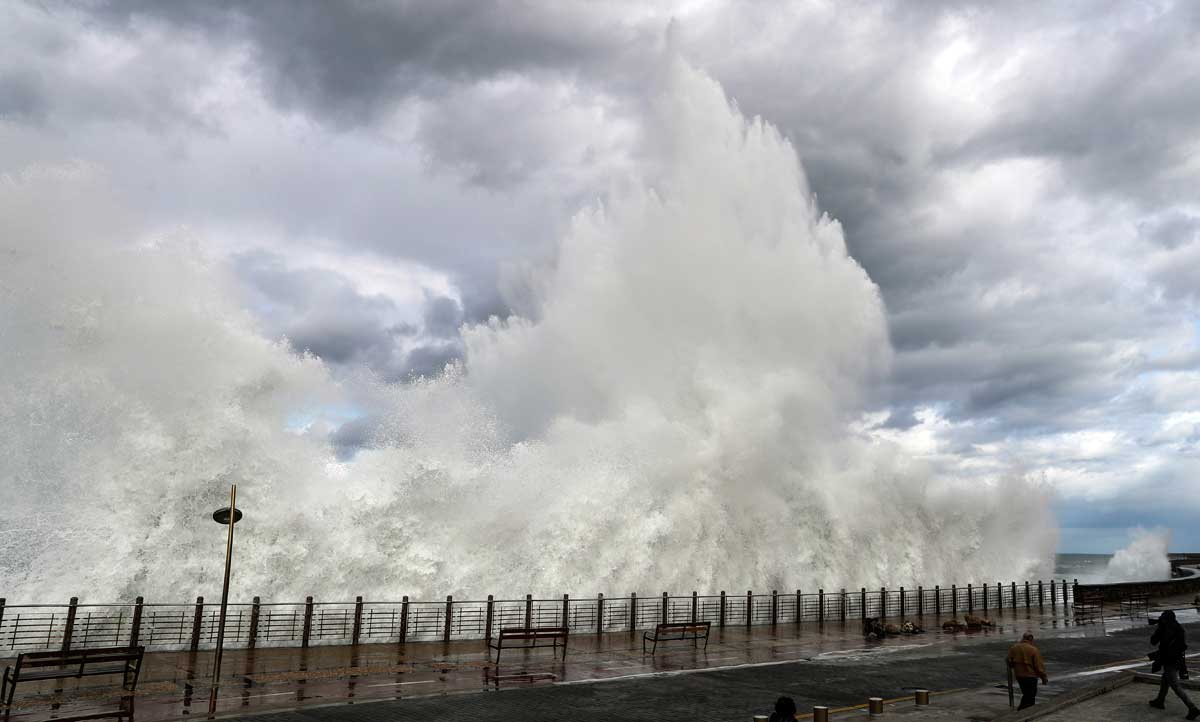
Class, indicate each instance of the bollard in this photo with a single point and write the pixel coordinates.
(358, 607)
(403, 619)
(196, 619)
(308, 612)
(69, 627)
(820, 714)
(489, 617)
(922, 696)
(761, 718)
(135, 627)
(875, 705)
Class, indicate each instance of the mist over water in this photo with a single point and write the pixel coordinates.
(679, 411)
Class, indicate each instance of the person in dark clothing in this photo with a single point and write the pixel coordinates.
(785, 710)
(1172, 643)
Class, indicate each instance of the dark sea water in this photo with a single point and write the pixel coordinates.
(1087, 568)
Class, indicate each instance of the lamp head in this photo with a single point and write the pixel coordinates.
(221, 516)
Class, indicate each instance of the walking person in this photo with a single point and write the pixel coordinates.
(1172, 643)
(785, 710)
(1026, 663)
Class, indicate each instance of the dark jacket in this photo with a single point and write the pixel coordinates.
(1170, 638)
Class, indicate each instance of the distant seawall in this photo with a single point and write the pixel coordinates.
(1185, 579)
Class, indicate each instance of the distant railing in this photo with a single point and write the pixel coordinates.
(25, 627)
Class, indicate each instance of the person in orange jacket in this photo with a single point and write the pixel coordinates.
(1028, 667)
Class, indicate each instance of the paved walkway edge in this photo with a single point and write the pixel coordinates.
(1068, 700)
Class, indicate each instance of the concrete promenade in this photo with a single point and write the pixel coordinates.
(606, 677)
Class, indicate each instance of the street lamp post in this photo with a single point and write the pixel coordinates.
(229, 515)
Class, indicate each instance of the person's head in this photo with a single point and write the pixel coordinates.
(1027, 637)
(1167, 617)
(785, 707)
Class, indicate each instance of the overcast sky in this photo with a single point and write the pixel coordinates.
(1020, 180)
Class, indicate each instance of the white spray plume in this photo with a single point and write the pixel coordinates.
(1143, 559)
(676, 416)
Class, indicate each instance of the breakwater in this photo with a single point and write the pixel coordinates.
(1185, 579)
(194, 625)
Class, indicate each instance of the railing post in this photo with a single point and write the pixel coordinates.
(254, 612)
(600, 613)
(749, 607)
(883, 602)
(1041, 596)
(842, 605)
(920, 601)
(902, 603)
(1075, 590)
(721, 614)
(2, 602)
(1066, 602)
(358, 606)
(528, 611)
(1014, 595)
(821, 606)
(774, 607)
(1053, 594)
(937, 599)
(695, 606)
(1027, 594)
(566, 616)
(135, 625)
(970, 598)
(308, 615)
(663, 612)
(985, 599)
(449, 618)
(489, 616)
(799, 607)
(69, 629)
(632, 611)
(196, 619)
(862, 592)
(403, 619)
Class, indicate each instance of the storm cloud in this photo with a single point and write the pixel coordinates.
(1018, 179)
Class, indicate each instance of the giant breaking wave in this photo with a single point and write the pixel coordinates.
(678, 414)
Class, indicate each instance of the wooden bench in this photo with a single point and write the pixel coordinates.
(74, 664)
(1136, 603)
(674, 631)
(535, 636)
(1088, 606)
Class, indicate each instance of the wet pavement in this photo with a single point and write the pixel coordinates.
(603, 676)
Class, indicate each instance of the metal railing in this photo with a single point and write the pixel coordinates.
(25, 627)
